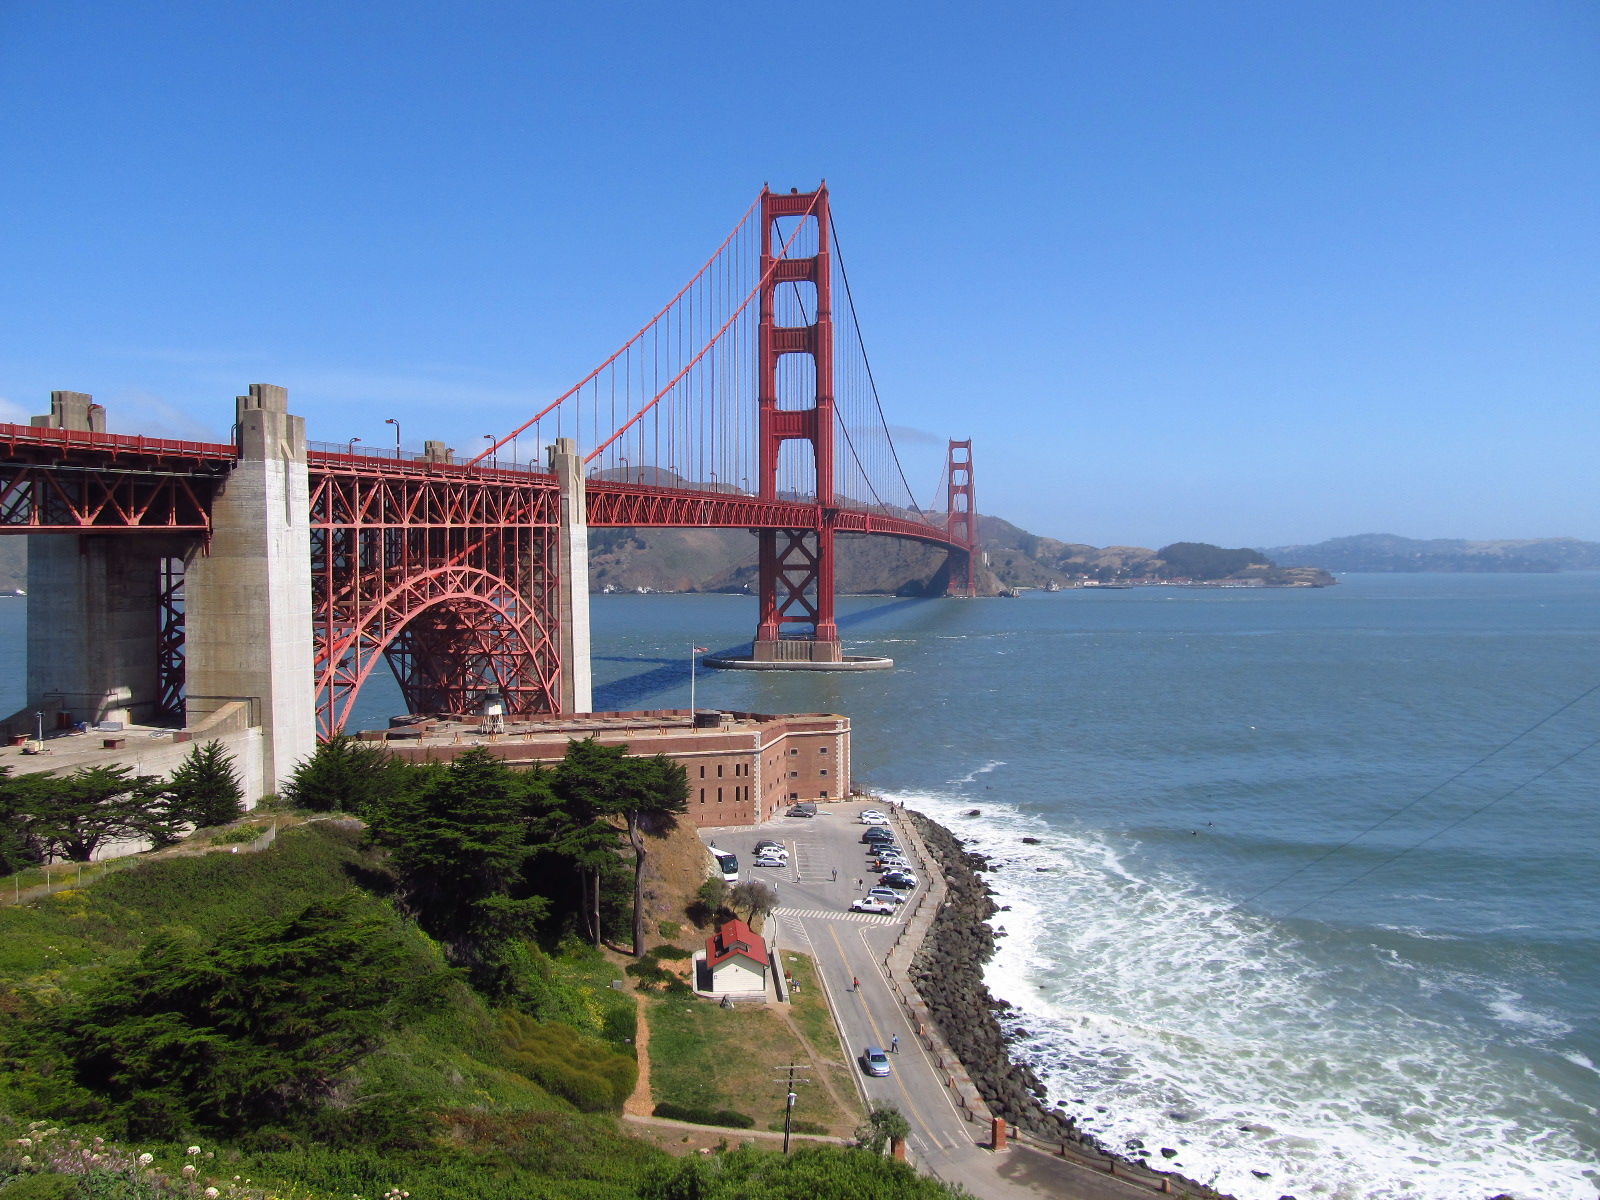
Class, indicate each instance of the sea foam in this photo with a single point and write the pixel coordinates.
(1159, 1013)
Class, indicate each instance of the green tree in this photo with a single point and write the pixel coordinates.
(74, 815)
(344, 774)
(20, 845)
(205, 788)
(457, 841)
(250, 1029)
(646, 793)
(884, 1123)
(754, 897)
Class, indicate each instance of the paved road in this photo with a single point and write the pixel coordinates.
(849, 948)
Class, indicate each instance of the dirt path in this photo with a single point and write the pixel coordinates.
(641, 1104)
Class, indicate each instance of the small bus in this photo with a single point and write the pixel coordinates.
(726, 864)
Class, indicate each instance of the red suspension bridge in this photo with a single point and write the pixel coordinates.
(743, 404)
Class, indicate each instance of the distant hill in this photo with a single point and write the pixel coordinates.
(710, 560)
(1385, 552)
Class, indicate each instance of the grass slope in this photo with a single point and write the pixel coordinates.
(504, 1137)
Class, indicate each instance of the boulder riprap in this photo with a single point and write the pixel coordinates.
(948, 972)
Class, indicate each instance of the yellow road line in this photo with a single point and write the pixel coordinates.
(899, 1086)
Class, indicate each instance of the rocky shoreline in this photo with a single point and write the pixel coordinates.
(948, 972)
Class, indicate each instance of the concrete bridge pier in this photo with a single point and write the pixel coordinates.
(95, 611)
(577, 694)
(248, 597)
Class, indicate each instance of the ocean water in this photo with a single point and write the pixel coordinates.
(1288, 913)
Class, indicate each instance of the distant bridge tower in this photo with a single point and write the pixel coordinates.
(796, 621)
(961, 506)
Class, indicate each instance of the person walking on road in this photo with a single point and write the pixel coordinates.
(894, 1044)
(855, 984)
(836, 875)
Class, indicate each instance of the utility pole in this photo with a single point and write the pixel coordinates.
(788, 1106)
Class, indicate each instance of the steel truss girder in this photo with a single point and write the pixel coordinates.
(447, 578)
(48, 498)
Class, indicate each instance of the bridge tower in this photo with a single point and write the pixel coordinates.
(961, 507)
(796, 622)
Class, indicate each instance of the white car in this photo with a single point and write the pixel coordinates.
(871, 904)
(772, 850)
(873, 817)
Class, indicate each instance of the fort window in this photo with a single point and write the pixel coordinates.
(824, 771)
(719, 770)
(702, 770)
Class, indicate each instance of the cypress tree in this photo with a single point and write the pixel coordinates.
(205, 788)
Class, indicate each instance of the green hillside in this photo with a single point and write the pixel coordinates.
(404, 1005)
(421, 1089)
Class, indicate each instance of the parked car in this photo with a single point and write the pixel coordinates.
(766, 843)
(798, 811)
(877, 834)
(772, 850)
(873, 817)
(902, 881)
(871, 904)
(887, 895)
(892, 863)
(874, 1061)
(766, 860)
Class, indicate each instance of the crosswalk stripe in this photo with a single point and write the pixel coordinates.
(825, 915)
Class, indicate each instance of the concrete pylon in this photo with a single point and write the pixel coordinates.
(73, 410)
(248, 597)
(94, 608)
(94, 622)
(577, 693)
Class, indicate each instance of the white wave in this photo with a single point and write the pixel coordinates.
(1505, 1008)
(1578, 1059)
(971, 776)
(1155, 1010)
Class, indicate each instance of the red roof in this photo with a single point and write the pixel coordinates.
(735, 938)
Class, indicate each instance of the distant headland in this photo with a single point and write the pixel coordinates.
(1386, 552)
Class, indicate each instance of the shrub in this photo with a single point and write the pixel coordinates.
(581, 1070)
(669, 929)
(44, 1186)
(671, 953)
(701, 1115)
(245, 833)
(246, 1030)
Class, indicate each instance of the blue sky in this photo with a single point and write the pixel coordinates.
(1251, 273)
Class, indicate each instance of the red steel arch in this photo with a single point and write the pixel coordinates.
(447, 574)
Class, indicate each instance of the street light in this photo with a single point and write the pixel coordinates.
(396, 424)
(489, 437)
(351, 448)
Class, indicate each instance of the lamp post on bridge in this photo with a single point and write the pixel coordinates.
(396, 424)
(351, 448)
(489, 437)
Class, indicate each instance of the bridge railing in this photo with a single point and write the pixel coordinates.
(15, 438)
(410, 460)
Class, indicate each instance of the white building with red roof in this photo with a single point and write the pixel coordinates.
(736, 961)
